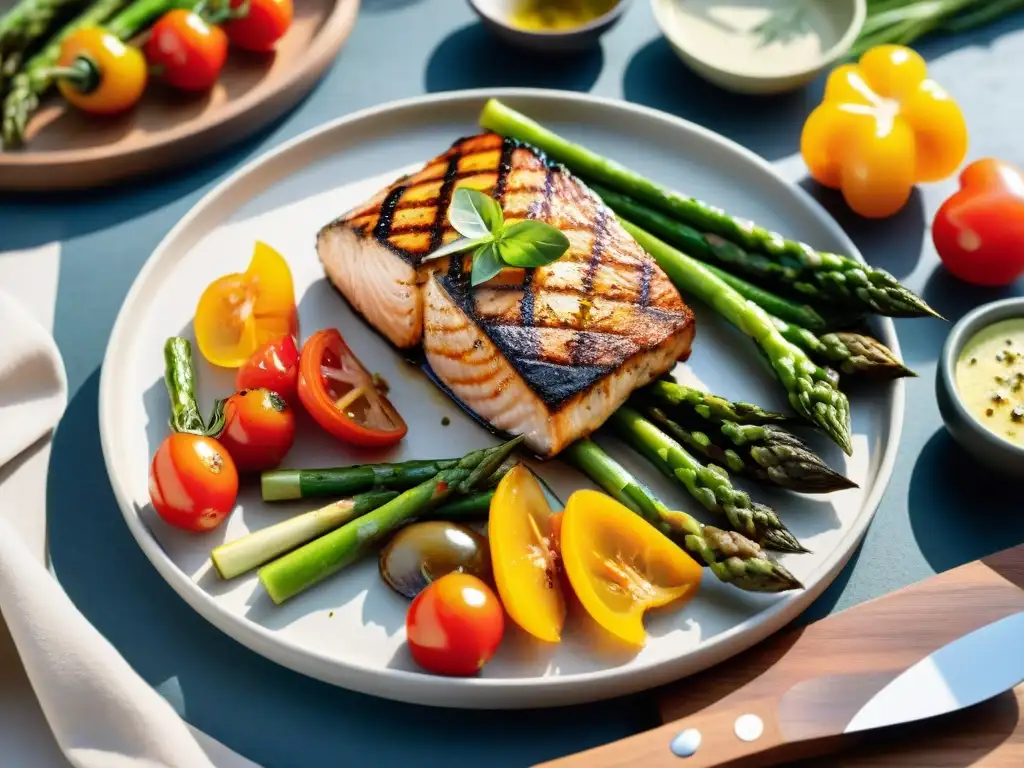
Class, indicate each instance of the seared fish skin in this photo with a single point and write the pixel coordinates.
(548, 353)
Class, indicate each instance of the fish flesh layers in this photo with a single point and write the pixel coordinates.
(549, 353)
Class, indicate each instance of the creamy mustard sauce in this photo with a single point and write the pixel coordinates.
(547, 15)
(990, 378)
(769, 37)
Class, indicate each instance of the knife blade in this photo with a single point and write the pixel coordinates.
(965, 672)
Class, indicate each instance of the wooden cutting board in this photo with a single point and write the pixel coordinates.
(889, 633)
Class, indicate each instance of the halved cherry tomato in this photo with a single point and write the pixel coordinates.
(620, 566)
(274, 366)
(192, 482)
(979, 231)
(100, 74)
(455, 625)
(342, 397)
(264, 24)
(259, 429)
(188, 52)
(239, 313)
(526, 567)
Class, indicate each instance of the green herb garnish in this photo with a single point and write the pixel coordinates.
(477, 217)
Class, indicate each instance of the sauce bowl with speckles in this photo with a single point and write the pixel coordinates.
(988, 447)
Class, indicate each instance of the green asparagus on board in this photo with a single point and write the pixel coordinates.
(854, 354)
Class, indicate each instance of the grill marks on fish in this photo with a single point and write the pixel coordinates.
(547, 352)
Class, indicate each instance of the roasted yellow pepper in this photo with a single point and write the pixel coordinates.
(521, 529)
(620, 566)
(881, 128)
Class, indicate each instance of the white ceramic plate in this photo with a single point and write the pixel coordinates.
(350, 630)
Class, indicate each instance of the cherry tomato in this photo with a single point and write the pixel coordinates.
(455, 625)
(342, 397)
(262, 27)
(188, 52)
(979, 231)
(274, 366)
(103, 75)
(259, 429)
(192, 482)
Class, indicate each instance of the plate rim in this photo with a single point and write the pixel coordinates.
(482, 692)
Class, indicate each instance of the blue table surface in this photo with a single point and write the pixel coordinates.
(939, 511)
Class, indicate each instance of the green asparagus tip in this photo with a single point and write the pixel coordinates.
(782, 540)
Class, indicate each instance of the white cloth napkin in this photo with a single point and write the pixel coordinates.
(102, 713)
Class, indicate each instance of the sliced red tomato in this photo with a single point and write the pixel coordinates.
(455, 625)
(193, 482)
(343, 397)
(259, 429)
(274, 366)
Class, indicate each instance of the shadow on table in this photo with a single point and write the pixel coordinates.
(921, 340)
(769, 125)
(934, 46)
(959, 509)
(241, 698)
(473, 57)
(385, 6)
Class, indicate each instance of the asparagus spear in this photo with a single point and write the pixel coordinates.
(242, 555)
(812, 390)
(733, 558)
(675, 396)
(765, 453)
(35, 78)
(24, 26)
(708, 484)
(285, 484)
(828, 276)
(313, 562)
(853, 353)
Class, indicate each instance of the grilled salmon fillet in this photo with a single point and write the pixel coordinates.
(548, 353)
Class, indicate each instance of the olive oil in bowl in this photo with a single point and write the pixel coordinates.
(557, 15)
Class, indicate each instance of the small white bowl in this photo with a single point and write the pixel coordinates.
(760, 46)
(497, 15)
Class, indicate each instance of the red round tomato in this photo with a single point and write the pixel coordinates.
(259, 429)
(342, 397)
(455, 625)
(187, 52)
(192, 482)
(264, 24)
(979, 231)
(274, 366)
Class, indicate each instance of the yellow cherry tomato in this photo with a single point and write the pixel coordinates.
(620, 566)
(523, 555)
(239, 313)
(881, 128)
(99, 73)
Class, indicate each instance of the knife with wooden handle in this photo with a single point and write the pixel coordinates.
(929, 649)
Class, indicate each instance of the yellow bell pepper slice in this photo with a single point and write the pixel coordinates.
(620, 566)
(881, 128)
(240, 312)
(523, 555)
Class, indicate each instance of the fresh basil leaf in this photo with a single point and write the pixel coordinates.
(486, 264)
(474, 214)
(531, 243)
(458, 246)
